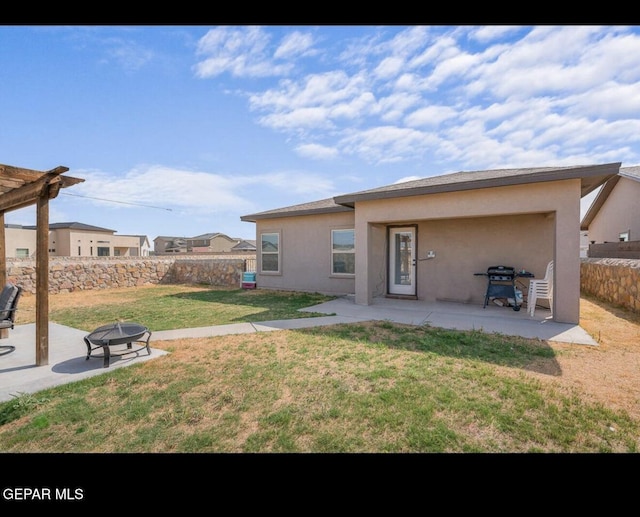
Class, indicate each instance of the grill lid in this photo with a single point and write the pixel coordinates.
(502, 271)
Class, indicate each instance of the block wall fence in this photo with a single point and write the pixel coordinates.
(612, 280)
(68, 274)
(615, 281)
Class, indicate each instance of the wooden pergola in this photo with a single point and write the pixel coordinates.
(20, 188)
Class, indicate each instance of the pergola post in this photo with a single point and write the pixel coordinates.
(4, 333)
(42, 280)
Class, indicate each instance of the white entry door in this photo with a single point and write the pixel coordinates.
(402, 260)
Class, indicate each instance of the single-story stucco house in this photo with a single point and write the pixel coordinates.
(614, 214)
(425, 239)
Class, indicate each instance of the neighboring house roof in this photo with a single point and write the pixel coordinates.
(632, 173)
(74, 226)
(245, 245)
(315, 207)
(207, 236)
(168, 238)
(592, 177)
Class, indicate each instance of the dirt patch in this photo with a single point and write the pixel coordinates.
(609, 372)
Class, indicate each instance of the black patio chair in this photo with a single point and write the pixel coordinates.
(8, 306)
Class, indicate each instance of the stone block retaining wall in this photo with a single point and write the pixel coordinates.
(612, 280)
(68, 274)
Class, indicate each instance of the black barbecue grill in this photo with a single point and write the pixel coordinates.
(502, 284)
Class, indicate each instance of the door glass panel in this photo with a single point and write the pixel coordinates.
(403, 259)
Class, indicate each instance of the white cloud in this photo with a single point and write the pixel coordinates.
(299, 119)
(489, 94)
(387, 144)
(430, 116)
(315, 102)
(241, 51)
(407, 178)
(492, 32)
(393, 107)
(129, 55)
(297, 182)
(171, 188)
(192, 191)
(610, 100)
(389, 67)
(316, 151)
(294, 44)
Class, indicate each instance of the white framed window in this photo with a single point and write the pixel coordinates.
(270, 252)
(22, 252)
(343, 252)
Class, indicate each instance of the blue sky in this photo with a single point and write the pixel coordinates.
(181, 130)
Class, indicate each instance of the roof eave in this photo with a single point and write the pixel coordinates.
(293, 213)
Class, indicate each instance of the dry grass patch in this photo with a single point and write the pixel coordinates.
(607, 373)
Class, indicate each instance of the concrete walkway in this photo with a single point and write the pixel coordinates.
(67, 350)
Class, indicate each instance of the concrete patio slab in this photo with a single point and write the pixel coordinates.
(460, 316)
(67, 360)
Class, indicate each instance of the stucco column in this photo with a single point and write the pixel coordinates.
(566, 286)
(364, 294)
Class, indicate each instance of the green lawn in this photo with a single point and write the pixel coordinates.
(173, 307)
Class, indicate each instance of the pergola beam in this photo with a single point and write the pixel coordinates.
(25, 195)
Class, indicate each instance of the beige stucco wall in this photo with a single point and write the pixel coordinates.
(125, 245)
(19, 238)
(65, 242)
(464, 246)
(467, 246)
(59, 243)
(305, 254)
(526, 226)
(222, 243)
(619, 213)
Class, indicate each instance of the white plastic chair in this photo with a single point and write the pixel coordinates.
(542, 288)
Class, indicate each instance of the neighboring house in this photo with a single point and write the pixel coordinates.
(72, 239)
(164, 245)
(425, 239)
(19, 243)
(614, 215)
(584, 244)
(211, 242)
(205, 243)
(145, 246)
(143, 249)
(245, 246)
